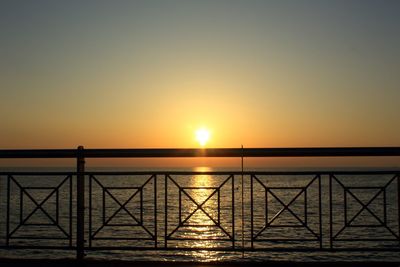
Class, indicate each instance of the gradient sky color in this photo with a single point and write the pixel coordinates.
(149, 73)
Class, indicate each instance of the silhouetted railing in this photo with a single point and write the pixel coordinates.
(219, 211)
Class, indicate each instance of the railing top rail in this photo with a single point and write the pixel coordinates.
(392, 172)
(206, 152)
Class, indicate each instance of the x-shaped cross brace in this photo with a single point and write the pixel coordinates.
(122, 206)
(39, 206)
(200, 207)
(285, 207)
(365, 206)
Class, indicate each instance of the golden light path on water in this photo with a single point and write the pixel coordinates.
(208, 230)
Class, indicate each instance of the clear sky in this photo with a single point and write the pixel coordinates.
(149, 73)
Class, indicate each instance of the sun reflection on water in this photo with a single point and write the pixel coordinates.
(202, 169)
(206, 229)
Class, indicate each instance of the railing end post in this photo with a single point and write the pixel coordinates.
(80, 216)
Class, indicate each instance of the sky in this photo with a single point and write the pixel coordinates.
(148, 74)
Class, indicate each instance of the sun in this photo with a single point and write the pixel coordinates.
(202, 136)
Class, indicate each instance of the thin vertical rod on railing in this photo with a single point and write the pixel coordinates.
(266, 206)
(180, 210)
(320, 210)
(233, 210)
(103, 199)
(57, 206)
(8, 211)
(384, 206)
(80, 199)
(330, 213)
(219, 207)
(90, 210)
(345, 207)
(70, 211)
(155, 212)
(398, 204)
(242, 205)
(305, 207)
(141, 204)
(166, 211)
(251, 212)
(21, 201)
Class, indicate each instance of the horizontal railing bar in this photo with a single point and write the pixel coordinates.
(165, 248)
(178, 173)
(394, 239)
(271, 249)
(282, 226)
(165, 172)
(207, 152)
(256, 249)
(294, 249)
(38, 173)
(286, 240)
(38, 153)
(38, 247)
(37, 187)
(216, 239)
(123, 238)
(364, 187)
(136, 173)
(41, 237)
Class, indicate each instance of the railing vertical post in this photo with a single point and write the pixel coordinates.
(330, 213)
(398, 205)
(80, 200)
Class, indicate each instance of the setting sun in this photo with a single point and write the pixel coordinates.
(202, 136)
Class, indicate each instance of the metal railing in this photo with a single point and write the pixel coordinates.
(229, 211)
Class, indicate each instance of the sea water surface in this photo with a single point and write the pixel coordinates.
(202, 210)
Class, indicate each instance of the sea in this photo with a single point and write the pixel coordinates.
(203, 214)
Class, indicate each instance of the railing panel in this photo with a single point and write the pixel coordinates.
(365, 211)
(199, 211)
(286, 211)
(39, 210)
(122, 211)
